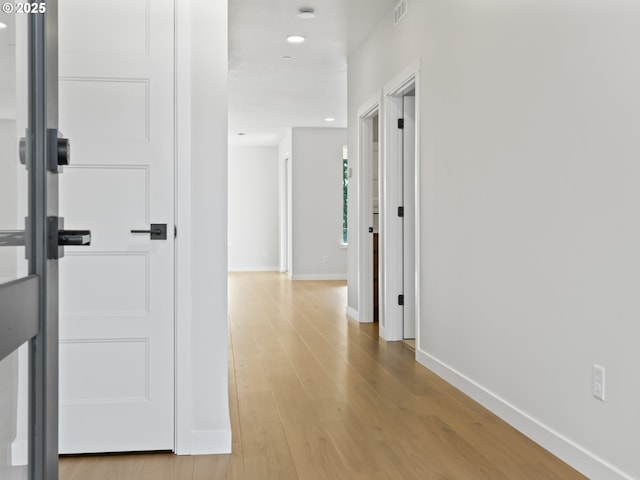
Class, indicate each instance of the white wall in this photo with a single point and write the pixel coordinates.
(529, 204)
(253, 209)
(201, 333)
(317, 203)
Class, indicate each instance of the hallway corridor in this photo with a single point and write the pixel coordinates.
(316, 396)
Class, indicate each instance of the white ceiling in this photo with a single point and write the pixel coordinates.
(267, 93)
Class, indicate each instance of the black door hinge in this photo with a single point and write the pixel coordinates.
(401, 211)
(175, 231)
(401, 123)
(400, 300)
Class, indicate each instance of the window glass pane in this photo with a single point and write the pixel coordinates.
(13, 111)
(14, 415)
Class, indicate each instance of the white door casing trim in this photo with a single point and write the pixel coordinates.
(182, 125)
(391, 198)
(365, 247)
(202, 422)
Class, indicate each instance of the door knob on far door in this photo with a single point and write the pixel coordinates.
(158, 231)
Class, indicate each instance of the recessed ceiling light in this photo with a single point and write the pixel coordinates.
(241, 133)
(306, 12)
(329, 119)
(287, 57)
(295, 39)
(3, 25)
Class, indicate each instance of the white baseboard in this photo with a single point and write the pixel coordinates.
(204, 443)
(353, 314)
(327, 276)
(582, 460)
(19, 453)
(254, 269)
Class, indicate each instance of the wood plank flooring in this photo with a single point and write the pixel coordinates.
(316, 396)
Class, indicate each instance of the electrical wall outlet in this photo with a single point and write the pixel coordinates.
(325, 259)
(598, 382)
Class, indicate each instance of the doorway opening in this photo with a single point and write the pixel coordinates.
(286, 217)
(375, 215)
(286, 212)
(400, 172)
(370, 275)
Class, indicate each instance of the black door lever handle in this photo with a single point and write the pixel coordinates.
(153, 231)
(158, 231)
(58, 238)
(74, 237)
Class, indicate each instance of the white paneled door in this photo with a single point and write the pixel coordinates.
(408, 221)
(117, 296)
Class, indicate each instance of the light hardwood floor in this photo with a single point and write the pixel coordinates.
(316, 396)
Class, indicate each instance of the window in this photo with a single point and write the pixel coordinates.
(345, 190)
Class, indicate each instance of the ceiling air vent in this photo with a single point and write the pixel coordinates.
(399, 11)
